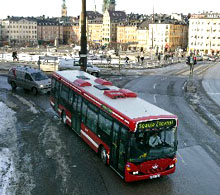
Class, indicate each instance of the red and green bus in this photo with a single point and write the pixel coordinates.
(137, 139)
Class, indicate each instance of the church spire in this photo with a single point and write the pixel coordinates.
(64, 9)
(109, 5)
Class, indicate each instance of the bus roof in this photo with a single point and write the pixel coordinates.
(131, 107)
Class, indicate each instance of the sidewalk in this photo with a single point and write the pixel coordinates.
(206, 99)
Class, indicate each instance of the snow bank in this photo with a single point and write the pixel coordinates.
(7, 138)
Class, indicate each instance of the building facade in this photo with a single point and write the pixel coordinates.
(143, 36)
(127, 36)
(19, 31)
(94, 32)
(165, 37)
(204, 34)
(111, 19)
(49, 30)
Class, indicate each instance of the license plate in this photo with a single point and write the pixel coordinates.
(154, 176)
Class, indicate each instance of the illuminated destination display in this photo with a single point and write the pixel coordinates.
(156, 124)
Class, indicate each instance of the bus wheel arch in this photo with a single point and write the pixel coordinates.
(103, 154)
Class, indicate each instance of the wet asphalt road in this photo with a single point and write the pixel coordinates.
(52, 159)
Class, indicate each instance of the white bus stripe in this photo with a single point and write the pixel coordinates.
(90, 139)
(68, 118)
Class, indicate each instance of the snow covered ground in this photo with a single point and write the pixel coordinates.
(8, 132)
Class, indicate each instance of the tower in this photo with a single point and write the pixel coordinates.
(64, 9)
(109, 5)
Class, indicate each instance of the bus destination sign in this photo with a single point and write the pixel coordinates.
(156, 124)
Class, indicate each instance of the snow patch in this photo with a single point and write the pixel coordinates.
(7, 168)
(7, 172)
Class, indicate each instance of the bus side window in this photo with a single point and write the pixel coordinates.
(79, 103)
(105, 127)
(92, 119)
(71, 97)
(75, 102)
(57, 86)
(84, 111)
(65, 93)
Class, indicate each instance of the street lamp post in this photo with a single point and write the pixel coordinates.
(83, 41)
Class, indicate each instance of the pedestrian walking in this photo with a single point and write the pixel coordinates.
(109, 59)
(142, 59)
(126, 59)
(159, 57)
(38, 63)
(15, 55)
(138, 58)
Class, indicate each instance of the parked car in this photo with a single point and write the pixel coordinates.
(73, 64)
(212, 58)
(29, 78)
(199, 58)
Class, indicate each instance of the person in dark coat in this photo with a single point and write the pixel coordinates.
(142, 59)
(126, 59)
(15, 55)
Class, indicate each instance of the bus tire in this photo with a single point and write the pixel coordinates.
(64, 118)
(13, 85)
(103, 155)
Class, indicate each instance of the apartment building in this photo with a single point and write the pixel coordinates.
(143, 36)
(127, 36)
(167, 36)
(204, 34)
(19, 31)
(111, 19)
(94, 31)
(49, 30)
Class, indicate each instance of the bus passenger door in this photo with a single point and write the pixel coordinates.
(118, 151)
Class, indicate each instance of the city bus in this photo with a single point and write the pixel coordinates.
(137, 139)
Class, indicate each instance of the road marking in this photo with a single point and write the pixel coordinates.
(212, 93)
(203, 70)
(155, 85)
(155, 100)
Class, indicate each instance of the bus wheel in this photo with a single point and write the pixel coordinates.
(103, 155)
(64, 118)
(34, 91)
(13, 85)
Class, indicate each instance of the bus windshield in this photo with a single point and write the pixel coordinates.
(153, 144)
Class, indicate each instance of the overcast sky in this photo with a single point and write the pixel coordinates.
(52, 8)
